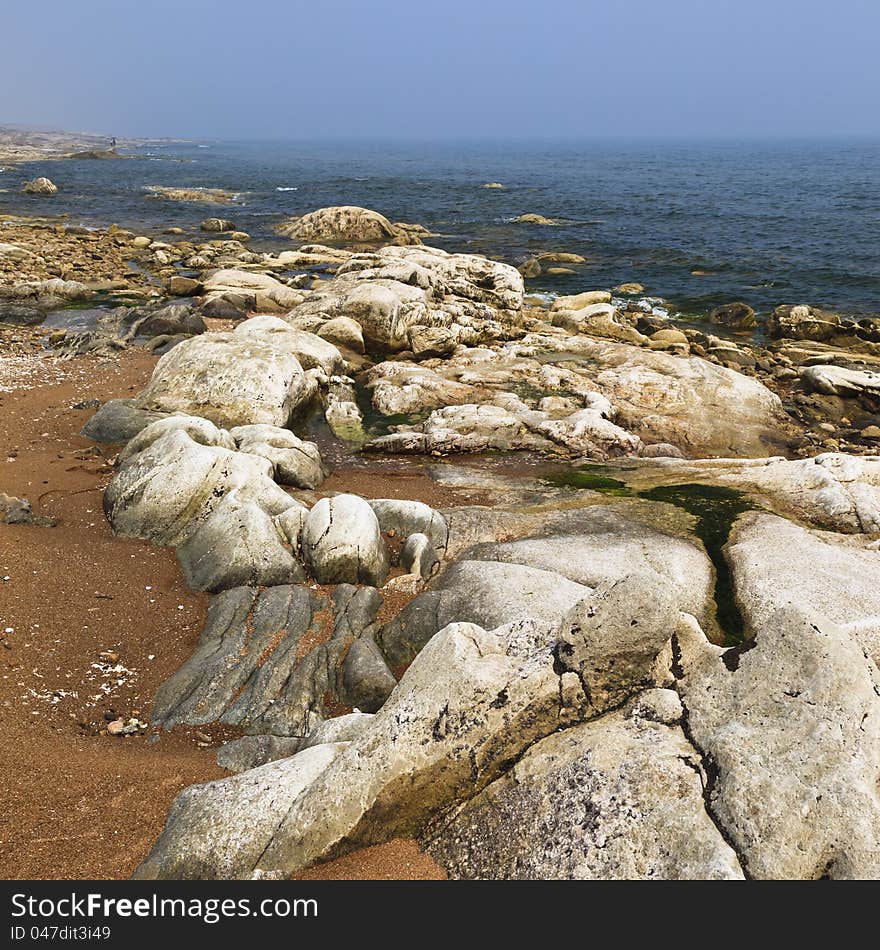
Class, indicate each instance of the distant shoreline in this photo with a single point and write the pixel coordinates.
(19, 145)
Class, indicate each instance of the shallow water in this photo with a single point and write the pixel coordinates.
(768, 223)
(714, 509)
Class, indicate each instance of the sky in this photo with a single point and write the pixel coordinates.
(455, 69)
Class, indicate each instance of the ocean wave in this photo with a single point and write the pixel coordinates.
(287, 188)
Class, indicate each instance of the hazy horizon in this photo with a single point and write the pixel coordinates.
(288, 71)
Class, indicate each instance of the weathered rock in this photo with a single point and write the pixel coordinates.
(15, 510)
(217, 224)
(118, 420)
(483, 592)
(789, 727)
(617, 798)
(310, 349)
(40, 186)
(803, 323)
(343, 331)
(175, 472)
(339, 729)
(776, 563)
(839, 381)
(218, 830)
(342, 542)
(366, 680)
(294, 461)
(268, 661)
(236, 544)
(579, 301)
(738, 316)
(249, 752)
(419, 556)
(471, 702)
(410, 517)
(344, 224)
(231, 379)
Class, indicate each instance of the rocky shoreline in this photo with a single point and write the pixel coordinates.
(586, 647)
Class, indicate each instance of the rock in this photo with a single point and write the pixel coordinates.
(579, 301)
(249, 752)
(339, 729)
(18, 511)
(482, 592)
(219, 829)
(419, 556)
(471, 702)
(738, 316)
(601, 320)
(530, 268)
(619, 798)
(789, 725)
(184, 286)
(597, 546)
(344, 332)
(839, 381)
(534, 219)
(560, 257)
(40, 186)
(229, 378)
(410, 517)
(493, 184)
(294, 462)
(12, 252)
(174, 473)
(118, 420)
(344, 224)
(803, 323)
(141, 242)
(611, 639)
(842, 584)
(217, 224)
(366, 680)
(151, 321)
(237, 544)
(429, 342)
(229, 306)
(268, 661)
(310, 349)
(631, 288)
(342, 542)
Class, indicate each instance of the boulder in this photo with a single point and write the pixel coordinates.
(842, 582)
(619, 798)
(236, 544)
(217, 225)
(175, 472)
(366, 680)
(737, 316)
(118, 420)
(39, 186)
(311, 350)
(346, 223)
(339, 729)
(218, 830)
(229, 378)
(249, 752)
(789, 728)
(405, 517)
(342, 542)
(802, 322)
(294, 461)
(483, 592)
(578, 301)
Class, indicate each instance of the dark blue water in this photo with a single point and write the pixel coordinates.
(768, 223)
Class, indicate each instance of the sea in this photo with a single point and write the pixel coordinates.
(697, 223)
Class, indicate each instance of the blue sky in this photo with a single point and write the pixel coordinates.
(452, 69)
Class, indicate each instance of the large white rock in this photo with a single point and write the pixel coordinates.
(619, 798)
(219, 830)
(168, 483)
(776, 563)
(231, 379)
(311, 350)
(789, 729)
(294, 461)
(342, 543)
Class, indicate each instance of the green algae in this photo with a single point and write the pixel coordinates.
(714, 510)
